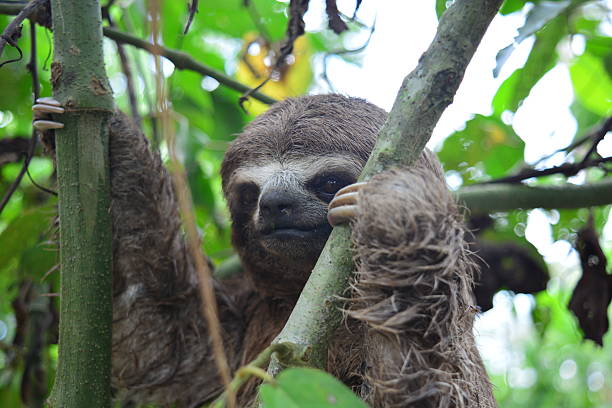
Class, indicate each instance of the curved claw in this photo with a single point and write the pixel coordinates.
(48, 100)
(47, 124)
(42, 109)
(343, 208)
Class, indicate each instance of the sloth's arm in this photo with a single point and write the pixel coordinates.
(413, 291)
(161, 351)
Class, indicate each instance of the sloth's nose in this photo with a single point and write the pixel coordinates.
(277, 204)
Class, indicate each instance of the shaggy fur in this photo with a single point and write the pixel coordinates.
(407, 339)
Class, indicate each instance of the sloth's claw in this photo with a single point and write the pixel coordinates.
(42, 109)
(47, 124)
(343, 208)
(48, 100)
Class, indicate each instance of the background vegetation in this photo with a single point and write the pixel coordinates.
(548, 364)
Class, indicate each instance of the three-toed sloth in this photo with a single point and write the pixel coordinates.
(407, 339)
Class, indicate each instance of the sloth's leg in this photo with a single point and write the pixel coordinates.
(412, 291)
(161, 349)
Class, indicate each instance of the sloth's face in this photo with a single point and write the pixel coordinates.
(279, 209)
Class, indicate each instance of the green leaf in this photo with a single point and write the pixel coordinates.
(231, 18)
(584, 118)
(537, 18)
(592, 84)
(308, 388)
(21, 234)
(510, 6)
(541, 59)
(440, 7)
(486, 144)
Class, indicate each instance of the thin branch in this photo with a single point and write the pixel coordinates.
(506, 197)
(599, 136)
(182, 60)
(33, 68)
(12, 31)
(336, 24)
(193, 9)
(126, 68)
(567, 169)
(288, 353)
(343, 52)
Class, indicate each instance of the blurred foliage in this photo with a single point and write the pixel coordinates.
(308, 388)
(554, 367)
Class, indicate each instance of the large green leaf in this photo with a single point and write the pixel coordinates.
(308, 388)
(592, 84)
(486, 144)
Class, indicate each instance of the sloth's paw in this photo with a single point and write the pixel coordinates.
(343, 208)
(43, 109)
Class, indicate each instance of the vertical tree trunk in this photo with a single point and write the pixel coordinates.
(81, 86)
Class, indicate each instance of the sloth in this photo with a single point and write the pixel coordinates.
(407, 334)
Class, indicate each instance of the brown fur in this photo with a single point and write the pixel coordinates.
(407, 338)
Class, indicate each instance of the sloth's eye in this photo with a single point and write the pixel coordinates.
(330, 186)
(327, 186)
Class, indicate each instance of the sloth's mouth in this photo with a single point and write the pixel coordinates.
(294, 232)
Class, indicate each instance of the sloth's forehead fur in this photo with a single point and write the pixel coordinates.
(318, 127)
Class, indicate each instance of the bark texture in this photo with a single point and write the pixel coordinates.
(80, 84)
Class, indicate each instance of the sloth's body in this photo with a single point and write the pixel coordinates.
(407, 340)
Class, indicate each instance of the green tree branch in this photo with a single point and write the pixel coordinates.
(80, 84)
(424, 95)
(506, 197)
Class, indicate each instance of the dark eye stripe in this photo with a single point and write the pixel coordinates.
(326, 185)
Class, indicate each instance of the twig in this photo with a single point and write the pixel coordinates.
(182, 60)
(601, 133)
(288, 353)
(567, 169)
(144, 74)
(209, 304)
(345, 51)
(33, 140)
(126, 68)
(336, 23)
(193, 9)
(12, 31)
